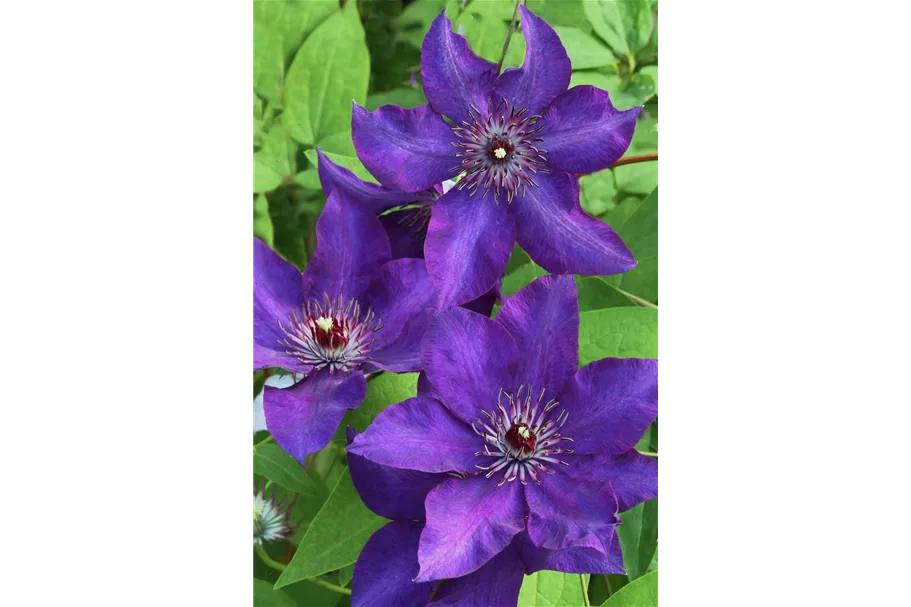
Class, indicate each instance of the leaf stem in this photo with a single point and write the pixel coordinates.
(329, 585)
(649, 454)
(512, 28)
(261, 443)
(635, 159)
(638, 300)
(585, 601)
(269, 561)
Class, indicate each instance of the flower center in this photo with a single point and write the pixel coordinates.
(522, 439)
(498, 151)
(329, 335)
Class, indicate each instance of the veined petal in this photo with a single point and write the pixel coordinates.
(303, 418)
(386, 566)
(611, 403)
(544, 74)
(394, 493)
(543, 318)
(562, 238)
(584, 133)
(407, 149)
(570, 560)
(567, 512)
(496, 584)
(469, 241)
(419, 434)
(277, 290)
(351, 245)
(632, 476)
(407, 241)
(375, 198)
(468, 358)
(404, 299)
(454, 77)
(469, 521)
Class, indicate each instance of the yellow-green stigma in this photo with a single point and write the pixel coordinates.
(324, 323)
(499, 153)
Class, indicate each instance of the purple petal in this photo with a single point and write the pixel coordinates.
(350, 246)
(562, 238)
(632, 476)
(543, 318)
(304, 417)
(566, 512)
(425, 388)
(496, 584)
(469, 241)
(404, 299)
(544, 74)
(407, 149)
(583, 133)
(407, 241)
(454, 77)
(570, 560)
(386, 566)
(468, 358)
(391, 492)
(611, 403)
(419, 434)
(277, 290)
(375, 198)
(469, 521)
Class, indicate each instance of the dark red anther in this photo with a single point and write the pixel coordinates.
(333, 338)
(496, 144)
(521, 438)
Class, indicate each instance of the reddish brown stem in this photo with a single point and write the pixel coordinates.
(634, 159)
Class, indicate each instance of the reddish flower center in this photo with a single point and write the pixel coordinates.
(328, 332)
(499, 150)
(521, 439)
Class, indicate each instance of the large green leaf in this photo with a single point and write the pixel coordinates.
(553, 589)
(272, 462)
(268, 63)
(331, 68)
(335, 537)
(625, 25)
(584, 51)
(596, 294)
(486, 34)
(520, 277)
(618, 332)
(265, 596)
(641, 177)
(596, 192)
(639, 537)
(640, 233)
(274, 161)
(561, 12)
(498, 9)
(399, 97)
(623, 95)
(291, 20)
(262, 223)
(640, 593)
(352, 163)
(385, 390)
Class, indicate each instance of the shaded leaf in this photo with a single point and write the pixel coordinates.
(585, 52)
(352, 163)
(640, 593)
(265, 596)
(262, 223)
(639, 537)
(273, 463)
(626, 26)
(385, 390)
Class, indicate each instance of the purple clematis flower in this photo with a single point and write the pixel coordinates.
(352, 311)
(407, 228)
(519, 138)
(544, 449)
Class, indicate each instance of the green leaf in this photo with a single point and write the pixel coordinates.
(345, 574)
(338, 143)
(640, 233)
(274, 160)
(262, 223)
(652, 72)
(625, 26)
(640, 593)
(399, 97)
(641, 177)
(623, 95)
(331, 68)
(352, 163)
(596, 192)
(561, 12)
(485, 34)
(630, 332)
(272, 462)
(385, 390)
(584, 51)
(265, 596)
(308, 179)
(268, 63)
(520, 277)
(553, 589)
(639, 537)
(335, 537)
(596, 294)
(291, 21)
(415, 20)
(498, 9)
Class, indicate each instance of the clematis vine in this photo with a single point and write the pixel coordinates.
(353, 311)
(517, 140)
(540, 453)
(406, 227)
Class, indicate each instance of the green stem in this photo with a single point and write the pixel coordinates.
(269, 561)
(261, 443)
(649, 454)
(329, 585)
(585, 601)
(642, 302)
(512, 28)
(635, 159)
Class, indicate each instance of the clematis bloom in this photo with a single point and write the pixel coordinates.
(520, 139)
(544, 451)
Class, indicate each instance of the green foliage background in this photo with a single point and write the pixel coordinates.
(311, 58)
